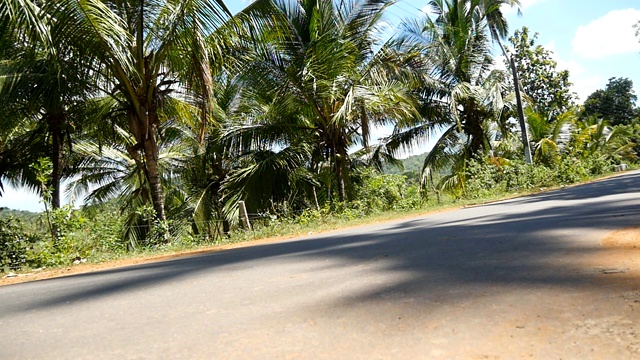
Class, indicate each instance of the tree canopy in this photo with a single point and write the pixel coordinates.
(616, 102)
(548, 89)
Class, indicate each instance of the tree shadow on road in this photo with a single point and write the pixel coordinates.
(484, 246)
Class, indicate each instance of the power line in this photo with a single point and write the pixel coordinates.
(403, 8)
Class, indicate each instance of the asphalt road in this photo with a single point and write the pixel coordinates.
(525, 278)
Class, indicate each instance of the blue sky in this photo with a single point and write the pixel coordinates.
(593, 39)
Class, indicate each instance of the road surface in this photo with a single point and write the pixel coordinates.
(550, 276)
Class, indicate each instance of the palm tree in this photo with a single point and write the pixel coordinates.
(545, 134)
(595, 137)
(316, 77)
(108, 172)
(44, 79)
(148, 51)
(456, 46)
(208, 165)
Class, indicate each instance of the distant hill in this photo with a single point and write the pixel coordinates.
(411, 164)
(26, 216)
(412, 167)
(31, 222)
(6, 212)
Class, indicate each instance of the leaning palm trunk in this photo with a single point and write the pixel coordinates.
(203, 71)
(473, 128)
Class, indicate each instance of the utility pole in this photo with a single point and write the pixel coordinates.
(516, 84)
(523, 127)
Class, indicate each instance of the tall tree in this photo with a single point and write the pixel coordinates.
(44, 79)
(456, 45)
(144, 48)
(322, 74)
(548, 88)
(615, 103)
(107, 172)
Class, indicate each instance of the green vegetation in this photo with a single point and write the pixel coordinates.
(615, 103)
(548, 88)
(411, 168)
(166, 117)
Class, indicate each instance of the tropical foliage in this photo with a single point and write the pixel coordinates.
(464, 87)
(168, 119)
(547, 88)
(616, 102)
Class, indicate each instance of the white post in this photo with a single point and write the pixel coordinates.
(244, 217)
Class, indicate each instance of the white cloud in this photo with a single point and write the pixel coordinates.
(609, 35)
(380, 131)
(527, 3)
(428, 10)
(584, 82)
(506, 9)
(584, 86)
(574, 67)
(420, 147)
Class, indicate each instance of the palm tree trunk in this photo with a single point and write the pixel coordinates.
(340, 173)
(473, 128)
(204, 72)
(145, 131)
(56, 155)
(330, 156)
(341, 187)
(153, 174)
(315, 169)
(315, 198)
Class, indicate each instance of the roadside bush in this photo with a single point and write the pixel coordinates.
(102, 232)
(312, 215)
(67, 244)
(483, 179)
(570, 170)
(15, 245)
(486, 180)
(598, 166)
(383, 192)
